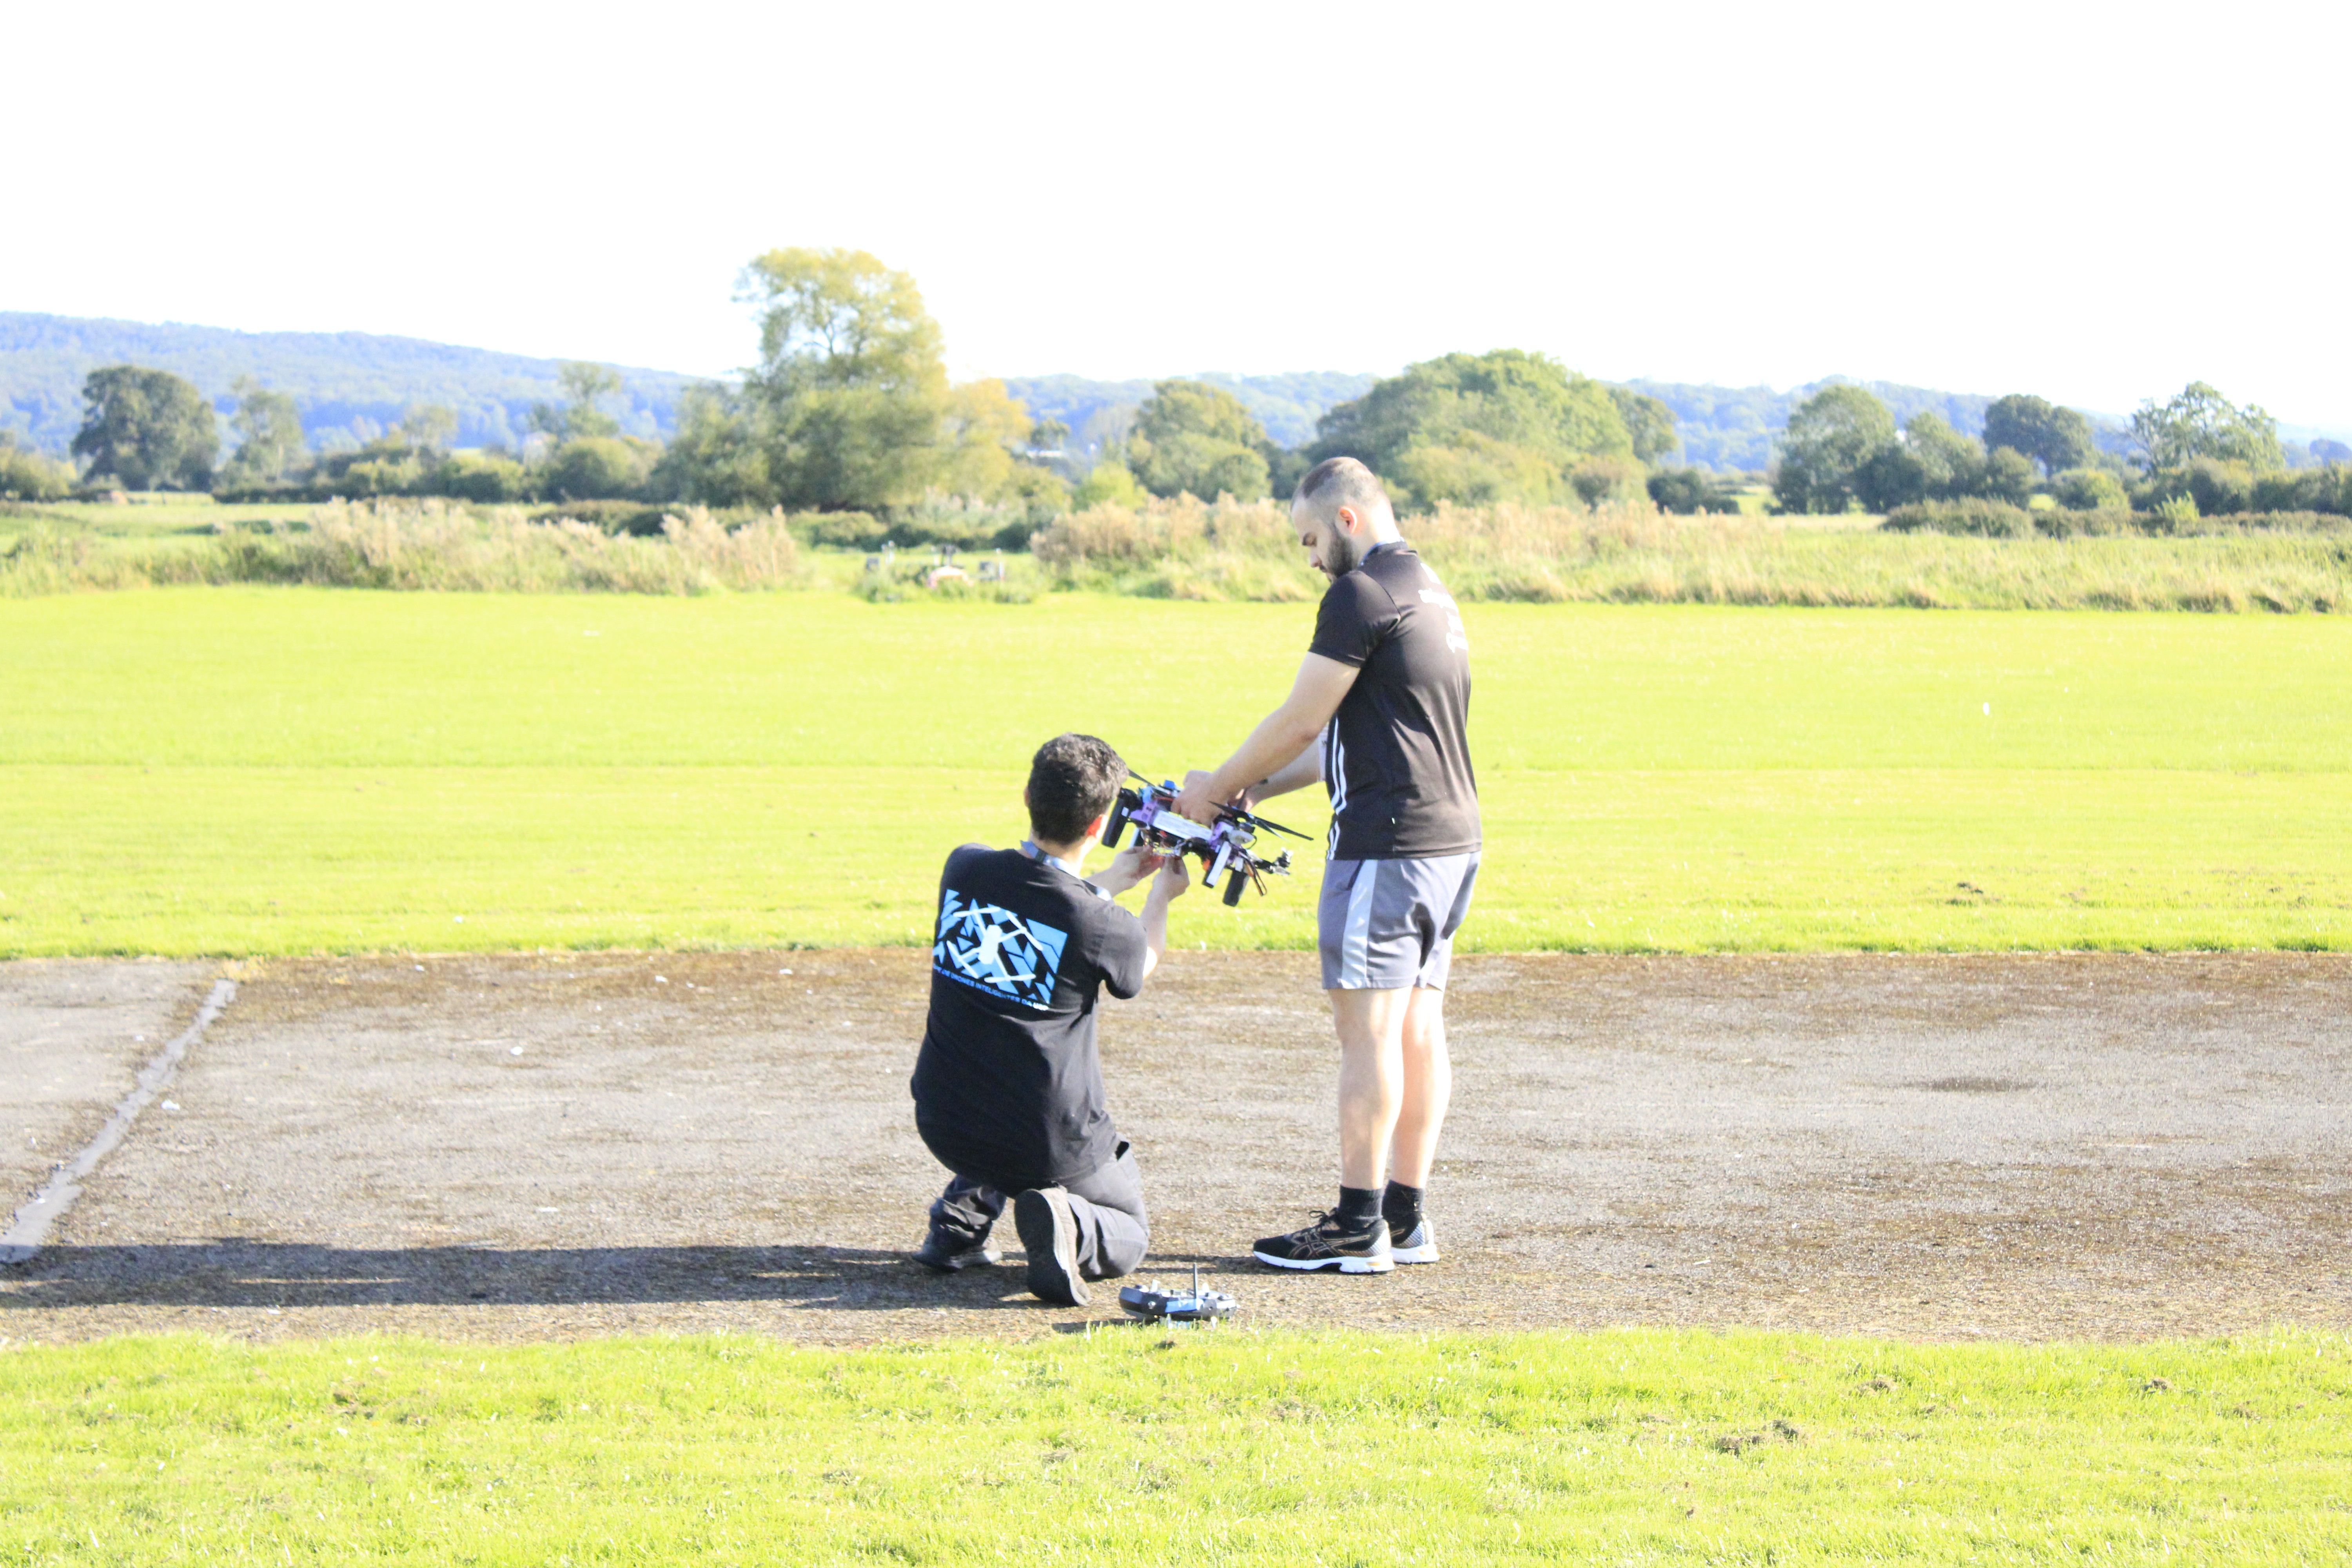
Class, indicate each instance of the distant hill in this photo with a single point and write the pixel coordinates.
(350, 385)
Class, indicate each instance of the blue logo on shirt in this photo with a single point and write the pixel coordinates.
(991, 949)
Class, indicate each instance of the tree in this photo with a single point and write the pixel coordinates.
(1649, 422)
(1830, 436)
(1503, 426)
(425, 427)
(714, 458)
(269, 436)
(148, 428)
(851, 385)
(2201, 422)
(985, 435)
(1109, 484)
(1192, 437)
(585, 387)
(2057, 438)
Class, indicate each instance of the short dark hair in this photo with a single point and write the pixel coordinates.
(1073, 779)
(1336, 482)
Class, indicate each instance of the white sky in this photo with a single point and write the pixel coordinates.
(2097, 202)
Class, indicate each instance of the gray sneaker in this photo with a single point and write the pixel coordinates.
(1418, 1245)
(943, 1254)
(1049, 1234)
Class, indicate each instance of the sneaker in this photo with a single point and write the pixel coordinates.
(1323, 1245)
(943, 1254)
(1418, 1245)
(1049, 1234)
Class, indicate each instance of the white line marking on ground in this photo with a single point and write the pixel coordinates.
(24, 1238)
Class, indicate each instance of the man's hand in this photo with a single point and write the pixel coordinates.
(1173, 879)
(1129, 866)
(1198, 801)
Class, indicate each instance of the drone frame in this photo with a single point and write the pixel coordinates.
(1225, 845)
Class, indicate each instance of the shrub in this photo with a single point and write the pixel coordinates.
(1603, 480)
(1687, 491)
(484, 477)
(31, 476)
(2325, 488)
(2220, 486)
(598, 468)
(842, 529)
(1974, 515)
(2089, 490)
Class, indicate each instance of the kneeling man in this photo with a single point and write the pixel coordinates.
(1008, 1086)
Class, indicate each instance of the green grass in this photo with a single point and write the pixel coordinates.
(1143, 1445)
(255, 770)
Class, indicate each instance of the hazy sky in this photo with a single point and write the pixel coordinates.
(2098, 203)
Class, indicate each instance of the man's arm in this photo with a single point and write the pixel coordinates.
(1280, 744)
(1170, 884)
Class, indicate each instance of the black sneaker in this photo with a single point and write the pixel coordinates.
(1324, 1245)
(1418, 1245)
(943, 1254)
(1049, 1234)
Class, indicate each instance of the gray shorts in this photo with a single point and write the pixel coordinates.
(1386, 925)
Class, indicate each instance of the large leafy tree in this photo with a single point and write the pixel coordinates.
(1831, 436)
(269, 427)
(1649, 422)
(148, 428)
(1502, 427)
(2057, 438)
(1190, 436)
(2201, 422)
(852, 383)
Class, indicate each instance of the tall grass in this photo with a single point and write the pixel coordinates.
(423, 544)
(1636, 554)
(1188, 549)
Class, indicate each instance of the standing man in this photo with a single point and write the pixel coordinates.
(1378, 713)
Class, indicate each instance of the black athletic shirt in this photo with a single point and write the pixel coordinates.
(1396, 756)
(1008, 1085)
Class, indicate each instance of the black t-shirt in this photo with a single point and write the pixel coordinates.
(1008, 1084)
(1396, 756)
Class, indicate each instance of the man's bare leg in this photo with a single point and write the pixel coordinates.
(1371, 1027)
(1428, 1086)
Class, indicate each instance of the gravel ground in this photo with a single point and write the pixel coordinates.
(546, 1147)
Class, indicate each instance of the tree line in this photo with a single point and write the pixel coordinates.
(2196, 454)
(850, 408)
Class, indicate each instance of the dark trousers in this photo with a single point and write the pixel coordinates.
(1107, 1203)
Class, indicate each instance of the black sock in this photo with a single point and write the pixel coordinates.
(1401, 1206)
(1359, 1206)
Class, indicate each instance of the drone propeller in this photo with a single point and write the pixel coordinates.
(1257, 821)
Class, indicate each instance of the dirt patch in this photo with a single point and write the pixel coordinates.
(542, 1147)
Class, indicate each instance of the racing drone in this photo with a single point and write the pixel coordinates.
(1227, 846)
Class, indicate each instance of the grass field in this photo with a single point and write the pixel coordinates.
(1223, 1447)
(250, 771)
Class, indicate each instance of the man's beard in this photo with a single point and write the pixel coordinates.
(1341, 555)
